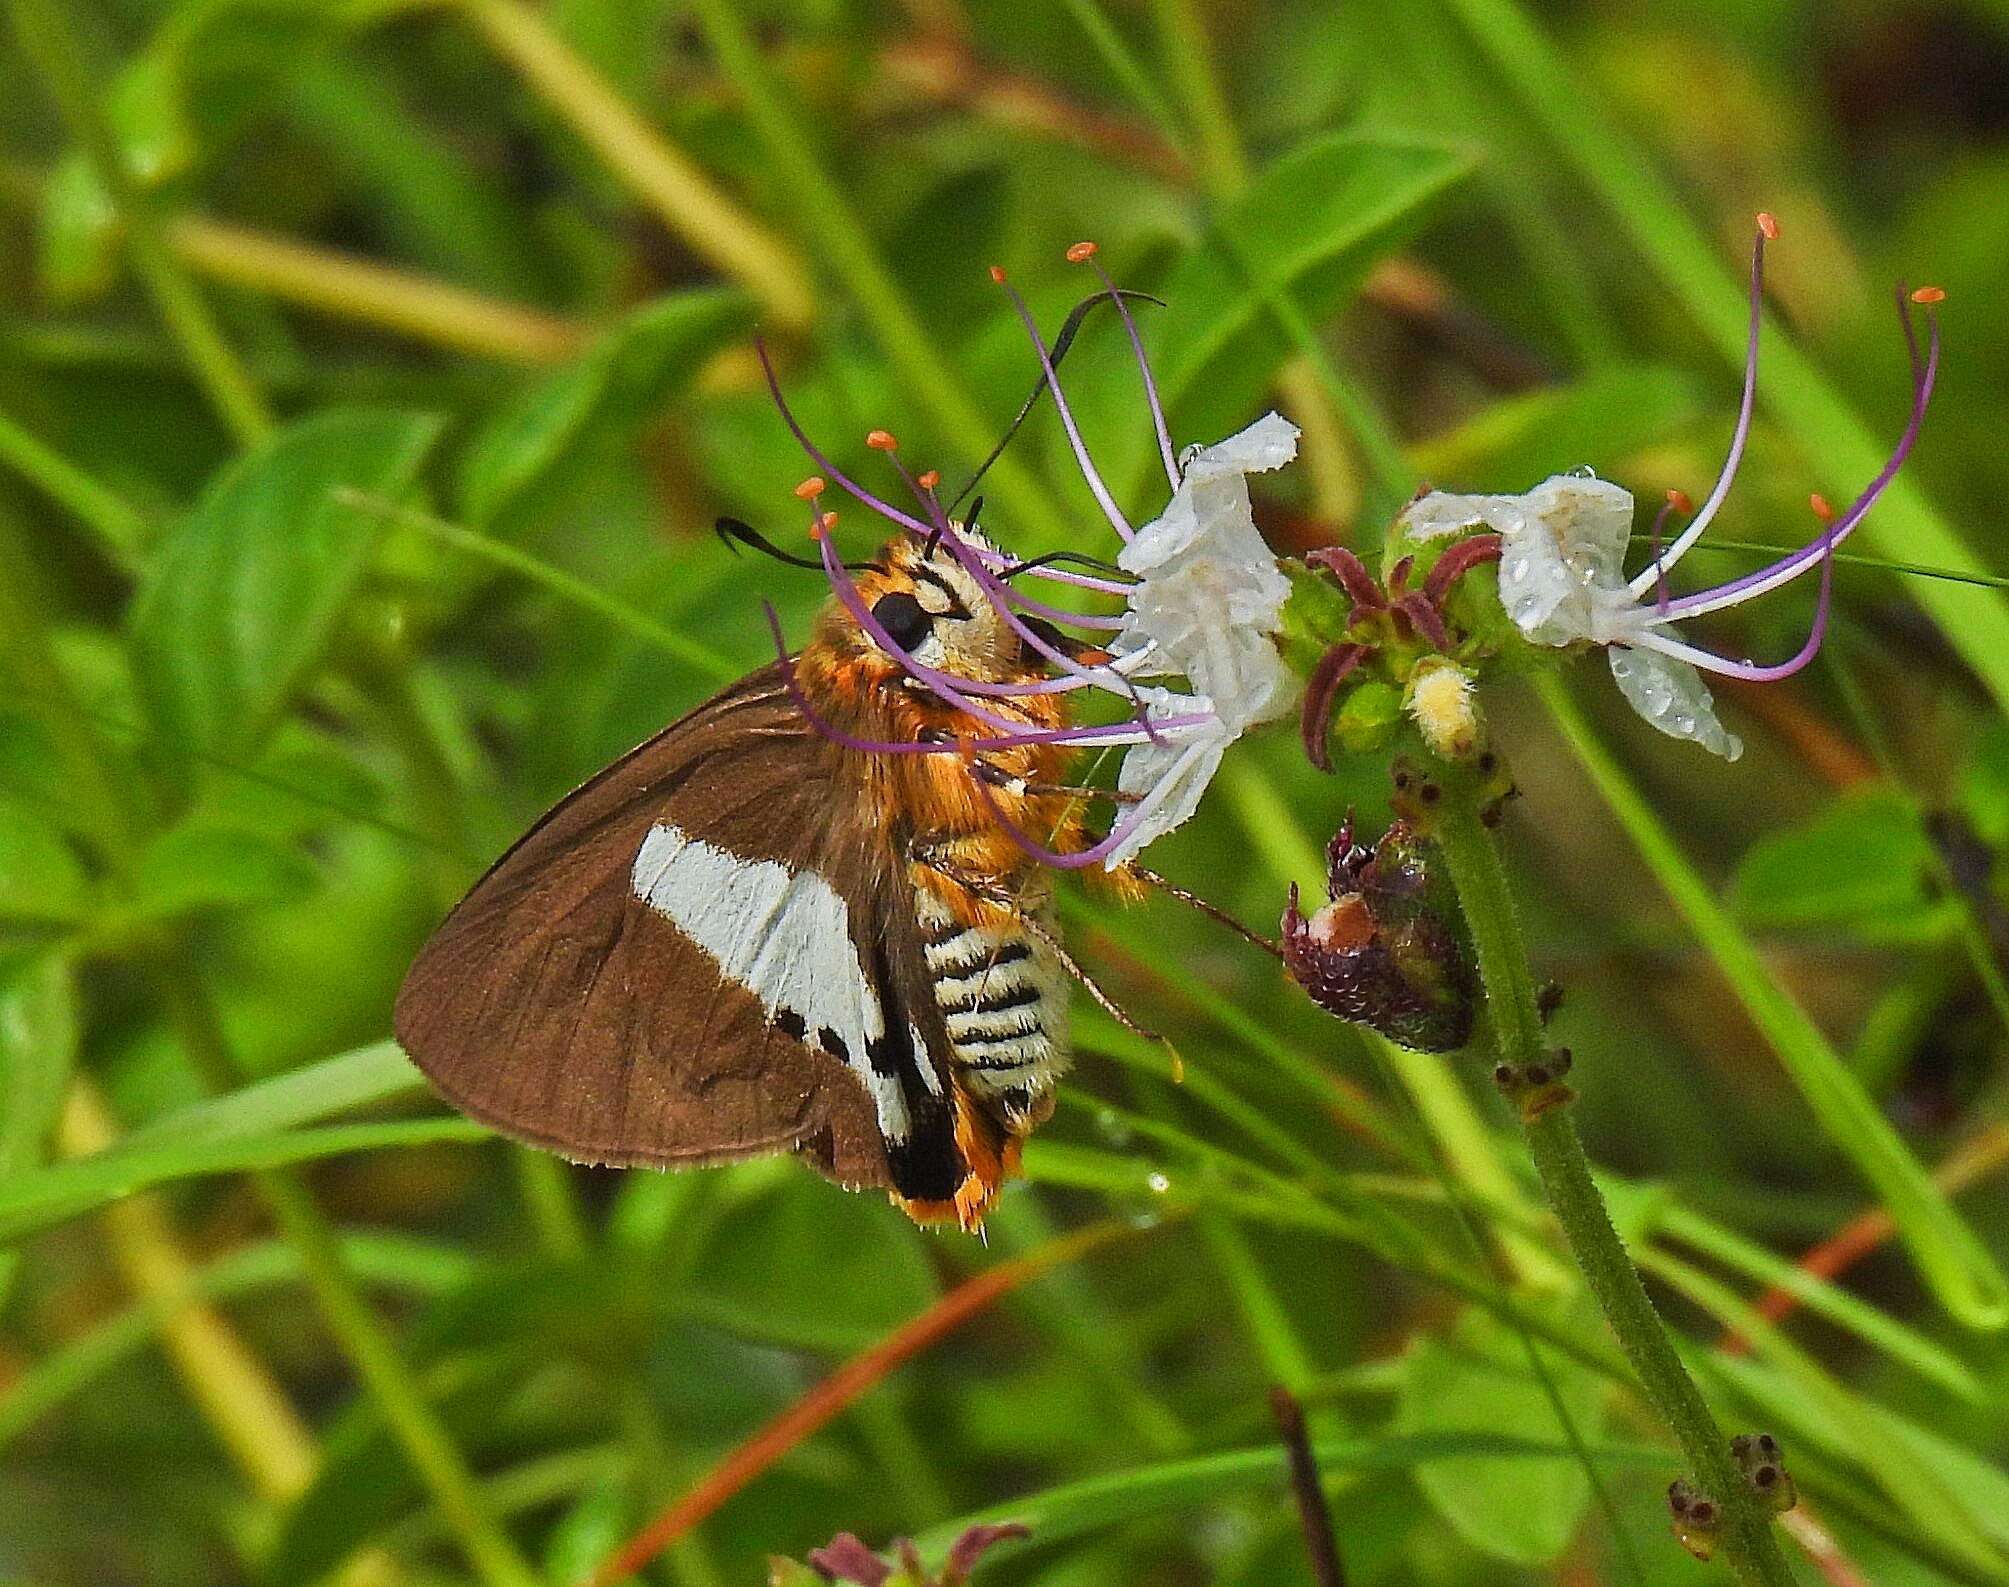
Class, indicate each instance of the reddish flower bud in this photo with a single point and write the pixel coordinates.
(1384, 951)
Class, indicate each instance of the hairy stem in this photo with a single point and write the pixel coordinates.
(1481, 881)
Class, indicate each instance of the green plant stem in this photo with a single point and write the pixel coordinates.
(850, 252)
(356, 1328)
(1321, 397)
(1124, 66)
(1473, 861)
(258, 1426)
(45, 36)
(370, 293)
(566, 586)
(669, 181)
(118, 529)
(1958, 1265)
(1224, 167)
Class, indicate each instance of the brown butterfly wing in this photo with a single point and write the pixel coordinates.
(557, 1005)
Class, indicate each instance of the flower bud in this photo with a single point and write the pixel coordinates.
(1764, 1466)
(1384, 951)
(1696, 1517)
(1445, 707)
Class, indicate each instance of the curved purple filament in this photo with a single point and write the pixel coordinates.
(1165, 451)
(884, 509)
(946, 686)
(1748, 671)
(1658, 572)
(1110, 733)
(1082, 460)
(1789, 567)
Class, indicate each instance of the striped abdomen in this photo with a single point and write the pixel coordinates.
(1003, 996)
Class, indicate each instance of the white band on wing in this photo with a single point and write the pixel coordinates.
(785, 936)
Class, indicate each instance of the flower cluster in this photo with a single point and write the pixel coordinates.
(845, 1559)
(1563, 547)
(1202, 595)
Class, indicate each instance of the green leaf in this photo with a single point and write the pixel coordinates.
(1862, 864)
(41, 878)
(33, 1202)
(1599, 421)
(256, 1127)
(597, 1524)
(1874, 1326)
(538, 446)
(149, 111)
(84, 1359)
(872, 1268)
(1475, 1380)
(195, 867)
(379, 1072)
(1061, 1514)
(1311, 226)
(249, 588)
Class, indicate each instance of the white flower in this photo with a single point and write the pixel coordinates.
(1168, 777)
(1562, 581)
(1209, 600)
(1212, 594)
(1563, 544)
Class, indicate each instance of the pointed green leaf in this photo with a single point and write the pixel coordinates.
(249, 588)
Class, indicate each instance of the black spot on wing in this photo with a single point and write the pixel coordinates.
(833, 1044)
(791, 1024)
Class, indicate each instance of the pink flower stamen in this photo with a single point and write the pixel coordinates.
(1767, 228)
(1084, 252)
(1786, 569)
(1082, 460)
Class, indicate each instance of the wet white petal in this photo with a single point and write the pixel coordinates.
(1169, 776)
(1562, 552)
(1670, 694)
(1212, 593)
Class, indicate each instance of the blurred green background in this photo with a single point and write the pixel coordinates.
(370, 374)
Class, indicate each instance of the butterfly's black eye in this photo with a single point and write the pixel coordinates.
(903, 618)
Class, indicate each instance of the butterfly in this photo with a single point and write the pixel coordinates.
(750, 935)
(816, 915)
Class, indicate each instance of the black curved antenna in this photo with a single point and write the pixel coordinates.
(1061, 343)
(736, 532)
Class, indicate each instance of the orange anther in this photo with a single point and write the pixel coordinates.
(1768, 223)
(882, 441)
(997, 274)
(811, 487)
(1081, 251)
(1929, 295)
(1822, 508)
(1681, 501)
(930, 479)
